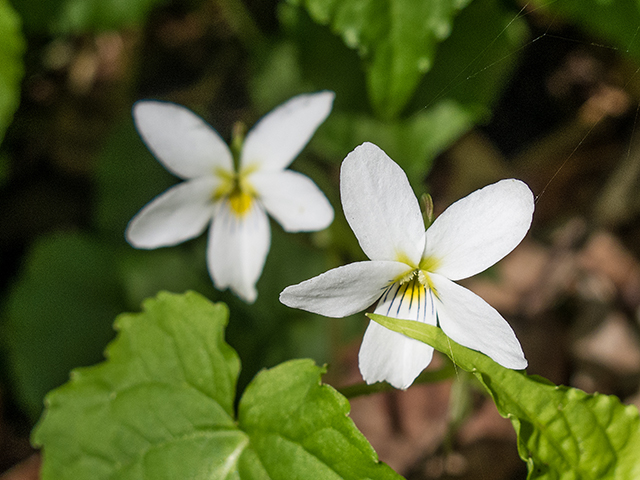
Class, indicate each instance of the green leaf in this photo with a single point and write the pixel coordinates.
(58, 315)
(396, 38)
(310, 57)
(162, 407)
(79, 16)
(563, 433)
(299, 428)
(12, 47)
(477, 59)
(166, 392)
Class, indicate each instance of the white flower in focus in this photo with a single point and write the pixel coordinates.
(235, 202)
(411, 272)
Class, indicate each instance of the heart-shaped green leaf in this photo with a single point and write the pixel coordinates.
(162, 407)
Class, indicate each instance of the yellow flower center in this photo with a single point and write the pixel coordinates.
(240, 202)
(410, 300)
(419, 272)
(235, 188)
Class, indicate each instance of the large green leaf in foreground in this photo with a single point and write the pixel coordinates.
(563, 433)
(162, 407)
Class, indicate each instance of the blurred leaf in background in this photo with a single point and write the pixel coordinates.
(59, 315)
(127, 177)
(80, 16)
(397, 40)
(474, 64)
(12, 48)
(468, 68)
(313, 58)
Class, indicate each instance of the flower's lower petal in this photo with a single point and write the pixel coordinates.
(293, 200)
(237, 249)
(389, 356)
(469, 320)
(480, 229)
(380, 206)
(177, 215)
(344, 290)
(180, 139)
(279, 136)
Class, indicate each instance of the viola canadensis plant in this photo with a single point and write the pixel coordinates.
(231, 191)
(411, 272)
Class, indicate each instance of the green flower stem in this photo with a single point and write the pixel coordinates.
(428, 376)
(238, 133)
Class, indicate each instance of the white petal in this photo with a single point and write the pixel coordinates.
(179, 214)
(380, 206)
(344, 290)
(238, 248)
(469, 320)
(180, 140)
(389, 356)
(279, 136)
(480, 229)
(293, 200)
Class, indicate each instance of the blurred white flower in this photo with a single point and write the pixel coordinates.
(235, 202)
(411, 272)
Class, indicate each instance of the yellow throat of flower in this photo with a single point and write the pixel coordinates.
(236, 189)
(419, 273)
(240, 202)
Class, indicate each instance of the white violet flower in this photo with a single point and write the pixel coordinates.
(411, 272)
(234, 200)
